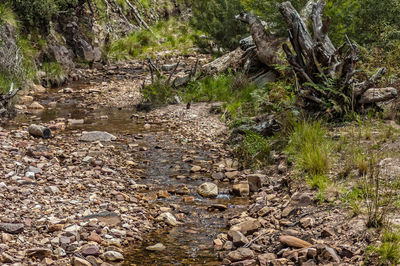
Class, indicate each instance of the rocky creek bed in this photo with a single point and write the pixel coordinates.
(133, 196)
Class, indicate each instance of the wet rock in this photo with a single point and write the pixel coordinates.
(36, 106)
(39, 253)
(237, 238)
(219, 207)
(168, 218)
(255, 181)
(208, 190)
(90, 250)
(247, 227)
(80, 262)
(113, 256)
(110, 218)
(241, 189)
(240, 254)
(97, 136)
(292, 241)
(12, 228)
(156, 247)
(218, 244)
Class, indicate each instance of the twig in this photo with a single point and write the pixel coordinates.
(173, 72)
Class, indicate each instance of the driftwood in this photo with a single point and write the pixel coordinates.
(325, 73)
(224, 62)
(39, 131)
(267, 45)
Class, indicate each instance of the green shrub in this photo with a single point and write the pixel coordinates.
(216, 18)
(7, 15)
(158, 93)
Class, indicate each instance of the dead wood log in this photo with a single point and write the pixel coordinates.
(268, 45)
(39, 131)
(138, 17)
(229, 60)
(325, 73)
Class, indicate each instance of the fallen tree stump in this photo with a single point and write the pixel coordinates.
(39, 131)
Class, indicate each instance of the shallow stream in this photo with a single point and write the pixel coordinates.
(190, 243)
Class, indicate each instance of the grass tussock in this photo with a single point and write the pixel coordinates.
(388, 251)
(254, 150)
(309, 150)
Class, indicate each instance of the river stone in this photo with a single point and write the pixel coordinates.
(90, 250)
(240, 254)
(80, 262)
(156, 247)
(237, 238)
(208, 190)
(294, 242)
(11, 228)
(241, 189)
(113, 256)
(97, 136)
(36, 105)
(39, 252)
(247, 227)
(168, 218)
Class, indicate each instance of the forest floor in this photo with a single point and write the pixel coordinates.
(89, 198)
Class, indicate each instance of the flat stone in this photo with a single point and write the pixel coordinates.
(12, 228)
(156, 247)
(247, 227)
(90, 250)
(97, 136)
(240, 254)
(39, 253)
(195, 168)
(113, 256)
(168, 218)
(80, 262)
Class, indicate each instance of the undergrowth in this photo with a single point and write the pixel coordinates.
(168, 35)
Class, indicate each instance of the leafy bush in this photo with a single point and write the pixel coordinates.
(38, 13)
(216, 18)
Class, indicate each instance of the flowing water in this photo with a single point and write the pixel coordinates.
(187, 244)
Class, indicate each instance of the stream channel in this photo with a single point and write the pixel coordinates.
(191, 242)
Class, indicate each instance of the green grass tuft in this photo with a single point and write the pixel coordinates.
(254, 150)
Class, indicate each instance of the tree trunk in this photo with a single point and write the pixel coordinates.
(325, 73)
